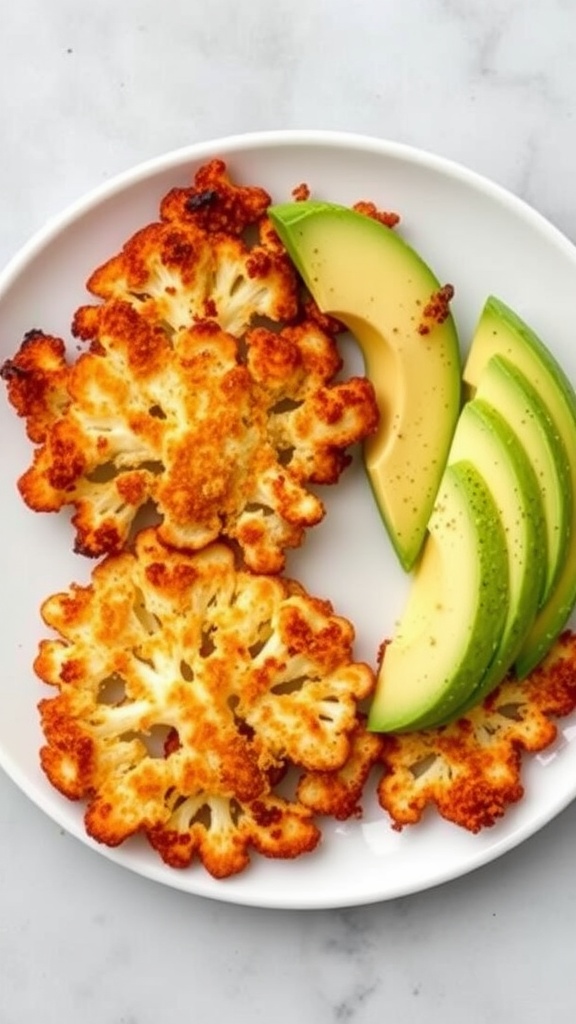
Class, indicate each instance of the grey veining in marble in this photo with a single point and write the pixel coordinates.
(87, 90)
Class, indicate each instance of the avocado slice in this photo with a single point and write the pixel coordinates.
(455, 613)
(502, 332)
(510, 393)
(363, 273)
(485, 438)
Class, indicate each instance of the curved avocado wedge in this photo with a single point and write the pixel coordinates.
(502, 332)
(485, 438)
(455, 612)
(363, 273)
(510, 393)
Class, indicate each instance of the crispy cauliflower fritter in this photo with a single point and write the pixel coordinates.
(206, 388)
(471, 770)
(186, 687)
(222, 438)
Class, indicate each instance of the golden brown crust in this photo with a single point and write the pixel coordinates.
(369, 209)
(177, 274)
(437, 309)
(471, 769)
(36, 381)
(339, 793)
(221, 443)
(301, 192)
(214, 202)
(185, 687)
(179, 401)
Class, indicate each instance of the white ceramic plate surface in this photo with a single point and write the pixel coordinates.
(475, 235)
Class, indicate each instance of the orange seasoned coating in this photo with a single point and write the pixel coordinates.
(369, 209)
(301, 192)
(327, 323)
(205, 388)
(222, 438)
(185, 688)
(471, 770)
(269, 238)
(214, 202)
(36, 381)
(437, 309)
(312, 421)
(339, 793)
(176, 275)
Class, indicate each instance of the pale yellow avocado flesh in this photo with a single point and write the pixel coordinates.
(501, 332)
(364, 274)
(452, 623)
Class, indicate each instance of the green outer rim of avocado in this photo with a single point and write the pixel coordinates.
(523, 520)
(501, 331)
(545, 448)
(463, 498)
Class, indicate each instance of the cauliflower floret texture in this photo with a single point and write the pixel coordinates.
(470, 770)
(205, 388)
(187, 687)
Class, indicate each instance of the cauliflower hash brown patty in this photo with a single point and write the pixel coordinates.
(186, 688)
(206, 388)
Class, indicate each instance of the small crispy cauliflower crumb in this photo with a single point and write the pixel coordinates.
(471, 769)
(186, 688)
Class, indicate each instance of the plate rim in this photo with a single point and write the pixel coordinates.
(196, 152)
(289, 137)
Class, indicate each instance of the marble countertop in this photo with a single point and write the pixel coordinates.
(88, 90)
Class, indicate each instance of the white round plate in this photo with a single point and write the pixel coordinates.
(476, 236)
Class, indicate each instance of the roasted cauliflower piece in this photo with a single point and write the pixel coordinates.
(36, 380)
(223, 438)
(194, 264)
(186, 688)
(206, 388)
(215, 203)
(176, 275)
(339, 793)
(471, 770)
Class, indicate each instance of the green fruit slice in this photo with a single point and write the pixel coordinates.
(486, 439)
(364, 274)
(501, 332)
(510, 393)
(456, 609)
